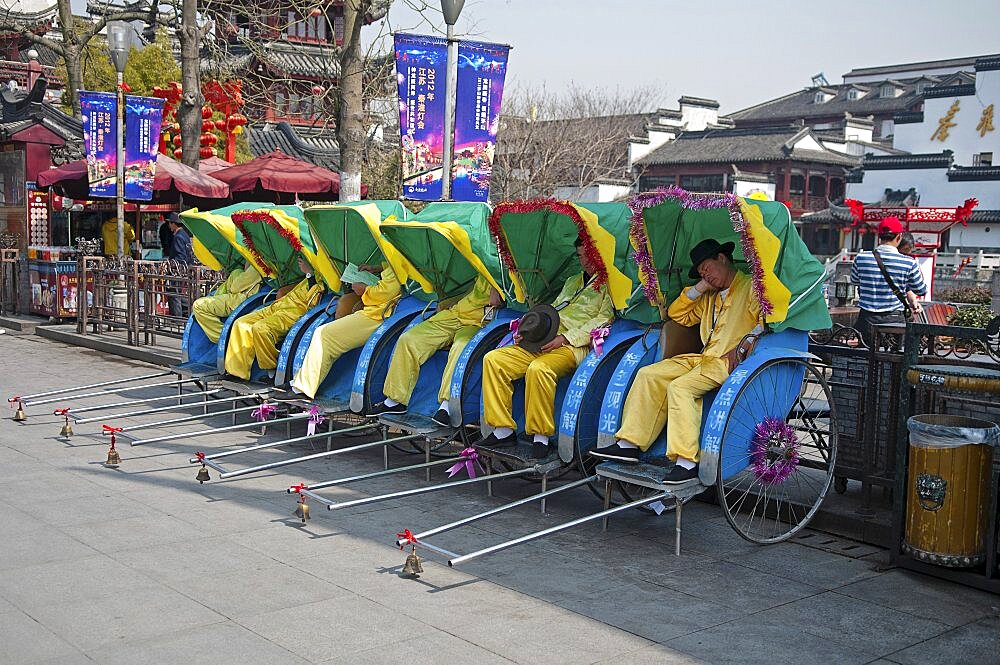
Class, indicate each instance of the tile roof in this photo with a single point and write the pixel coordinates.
(837, 214)
(741, 145)
(932, 160)
(320, 149)
(300, 59)
(20, 109)
(964, 173)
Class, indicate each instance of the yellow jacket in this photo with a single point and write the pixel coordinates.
(246, 282)
(377, 298)
(109, 234)
(589, 309)
(734, 317)
(302, 297)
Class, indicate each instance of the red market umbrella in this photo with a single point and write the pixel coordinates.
(171, 177)
(213, 164)
(277, 172)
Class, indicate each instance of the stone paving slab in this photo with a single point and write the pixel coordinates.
(143, 564)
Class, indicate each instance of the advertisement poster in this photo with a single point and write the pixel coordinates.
(142, 140)
(481, 71)
(100, 140)
(420, 75)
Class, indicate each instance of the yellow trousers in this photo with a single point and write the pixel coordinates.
(669, 392)
(258, 335)
(541, 373)
(211, 312)
(417, 345)
(329, 342)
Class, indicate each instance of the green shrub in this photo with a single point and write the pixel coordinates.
(974, 316)
(973, 295)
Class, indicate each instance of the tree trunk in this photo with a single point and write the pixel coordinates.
(71, 56)
(189, 111)
(350, 116)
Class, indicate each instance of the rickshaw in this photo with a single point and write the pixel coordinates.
(769, 436)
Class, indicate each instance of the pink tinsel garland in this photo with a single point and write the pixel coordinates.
(769, 436)
(731, 202)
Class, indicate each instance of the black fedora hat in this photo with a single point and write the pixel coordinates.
(708, 249)
(538, 327)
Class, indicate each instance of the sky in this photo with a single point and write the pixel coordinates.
(739, 53)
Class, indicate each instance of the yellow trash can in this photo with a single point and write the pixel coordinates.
(948, 489)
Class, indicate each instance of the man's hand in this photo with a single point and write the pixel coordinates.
(303, 266)
(740, 352)
(517, 338)
(373, 269)
(703, 287)
(555, 344)
(495, 299)
(358, 288)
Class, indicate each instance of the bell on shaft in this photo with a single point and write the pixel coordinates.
(302, 510)
(20, 416)
(114, 459)
(412, 565)
(67, 429)
(202, 474)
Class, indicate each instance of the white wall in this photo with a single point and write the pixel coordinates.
(932, 184)
(975, 237)
(697, 118)
(963, 139)
(593, 194)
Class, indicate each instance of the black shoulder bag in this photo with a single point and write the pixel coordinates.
(900, 296)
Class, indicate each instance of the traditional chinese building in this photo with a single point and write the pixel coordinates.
(950, 148)
(21, 61)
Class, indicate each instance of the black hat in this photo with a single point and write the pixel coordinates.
(538, 327)
(173, 217)
(708, 249)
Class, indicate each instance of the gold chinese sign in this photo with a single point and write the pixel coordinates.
(986, 121)
(945, 124)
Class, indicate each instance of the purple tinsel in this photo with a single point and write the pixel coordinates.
(774, 433)
(640, 241)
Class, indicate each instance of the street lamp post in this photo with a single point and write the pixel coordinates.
(118, 46)
(451, 9)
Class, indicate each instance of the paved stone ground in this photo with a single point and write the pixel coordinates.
(142, 564)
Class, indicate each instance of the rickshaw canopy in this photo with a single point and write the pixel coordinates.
(349, 233)
(445, 247)
(536, 239)
(216, 241)
(787, 278)
(277, 236)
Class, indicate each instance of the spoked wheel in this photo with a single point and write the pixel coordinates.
(778, 450)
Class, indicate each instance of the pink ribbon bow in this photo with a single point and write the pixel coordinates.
(263, 412)
(469, 461)
(512, 326)
(315, 418)
(597, 337)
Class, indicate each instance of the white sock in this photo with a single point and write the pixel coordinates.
(686, 463)
(296, 389)
(502, 432)
(445, 406)
(542, 438)
(390, 402)
(270, 373)
(626, 444)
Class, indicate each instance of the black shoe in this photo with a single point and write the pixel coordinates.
(616, 453)
(539, 450)
(381, 408)
(442, 418)
(679, 474)
(493, 442)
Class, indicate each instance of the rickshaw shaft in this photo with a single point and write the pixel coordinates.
(111, 392)
(274, 444)
(219, 430)
(197, 416)
(425, 490)
(306, 458)
(27, 398)
(101, 407)
(160, 409)
(386, 472)
(500, 509)
(555, 529)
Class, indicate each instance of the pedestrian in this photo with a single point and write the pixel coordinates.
(166, 238)
(888, 282)
(181, 252)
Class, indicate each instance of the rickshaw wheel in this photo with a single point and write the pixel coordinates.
(778, 450)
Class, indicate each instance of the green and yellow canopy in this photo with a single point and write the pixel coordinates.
(535, 240)
(787, 278)
(444, 248)
(349, 233)
(277, 236)
(216, 241)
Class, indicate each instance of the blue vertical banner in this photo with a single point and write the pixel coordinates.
(481, 71)
(421, 64)
(100, 138)
(143, 116)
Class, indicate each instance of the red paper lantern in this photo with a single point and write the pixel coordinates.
(177, 140)
(178, 153)
(206, 113)
(220, 124)
(207, 125)
(317, 90)
(205, 153)
(209, 139)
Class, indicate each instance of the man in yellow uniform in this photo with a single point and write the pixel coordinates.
(211, 311)
(670, 391)
(582, 309)
(334, 339)
(452, 327)
(109, 234)
(258, 334)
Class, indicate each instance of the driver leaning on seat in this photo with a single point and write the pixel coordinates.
(670, 391)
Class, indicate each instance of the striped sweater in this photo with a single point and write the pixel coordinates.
(874, 294)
